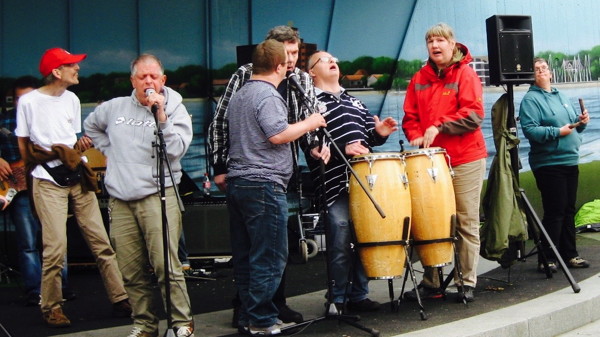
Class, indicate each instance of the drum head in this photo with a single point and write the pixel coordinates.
(427, 151)
(375, 156)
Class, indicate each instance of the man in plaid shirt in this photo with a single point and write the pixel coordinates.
(218, 134)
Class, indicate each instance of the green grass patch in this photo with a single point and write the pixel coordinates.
(588, 190)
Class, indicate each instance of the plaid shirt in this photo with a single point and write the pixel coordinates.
(218, 131)
(9, 144)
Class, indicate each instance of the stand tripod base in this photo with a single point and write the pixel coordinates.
(333, 313)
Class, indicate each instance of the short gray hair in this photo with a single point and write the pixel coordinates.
(144, 58)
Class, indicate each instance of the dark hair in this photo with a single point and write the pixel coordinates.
(267, 56)
(25, 82)
(539, 59)
(284, 34)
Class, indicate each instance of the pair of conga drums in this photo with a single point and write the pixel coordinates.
(412, 187)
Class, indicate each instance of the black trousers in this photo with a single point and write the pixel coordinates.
(558, 187)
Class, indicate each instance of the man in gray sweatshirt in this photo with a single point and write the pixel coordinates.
(124, 130)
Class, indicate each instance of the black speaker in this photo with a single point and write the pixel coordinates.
(206, 227)
(510, 49)
(244, 54)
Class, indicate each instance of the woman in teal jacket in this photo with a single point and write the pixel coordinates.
(553, 129)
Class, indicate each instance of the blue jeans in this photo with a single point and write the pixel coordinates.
(258, 221)
(342, 260)
(27, 228)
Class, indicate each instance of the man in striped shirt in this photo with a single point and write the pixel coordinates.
(355, 131)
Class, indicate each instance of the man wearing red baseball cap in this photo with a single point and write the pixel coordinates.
(48, 120)
(56, 57)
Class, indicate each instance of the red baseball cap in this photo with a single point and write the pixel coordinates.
(56, 57)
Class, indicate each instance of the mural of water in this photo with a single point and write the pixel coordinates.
(195, 162)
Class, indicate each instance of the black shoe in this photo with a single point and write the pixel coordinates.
(287, 315)
(469, 294)
(577, 262)
(243, 330)
(551, 266)
(236, 317)
(424, 293)
(122, 309)
(33, 299)
(68, 294)
(364, 305)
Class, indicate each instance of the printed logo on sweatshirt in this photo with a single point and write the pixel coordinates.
(134, 122)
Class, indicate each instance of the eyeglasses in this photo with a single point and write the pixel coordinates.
(541, 69)
(325, 59)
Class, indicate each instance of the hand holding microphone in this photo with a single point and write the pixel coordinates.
(584, 118)
(155, 101)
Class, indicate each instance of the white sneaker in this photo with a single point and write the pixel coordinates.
(272, 330)
(186, 331)
(137, 332)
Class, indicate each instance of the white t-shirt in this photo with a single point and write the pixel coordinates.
(49, 120)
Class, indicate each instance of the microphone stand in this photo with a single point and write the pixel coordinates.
(331, 311)
(162, 160)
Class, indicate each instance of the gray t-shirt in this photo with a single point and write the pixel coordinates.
(255, 113)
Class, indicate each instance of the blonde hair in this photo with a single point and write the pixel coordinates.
(441, 29)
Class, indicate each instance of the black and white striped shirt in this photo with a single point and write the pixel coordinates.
(348, 121)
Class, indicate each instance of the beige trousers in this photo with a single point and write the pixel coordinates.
(137, 235)
(51, 204)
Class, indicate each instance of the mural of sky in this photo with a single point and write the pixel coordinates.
(206, 32)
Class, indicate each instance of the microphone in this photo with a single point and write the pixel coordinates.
(154, 107)
(294, 83)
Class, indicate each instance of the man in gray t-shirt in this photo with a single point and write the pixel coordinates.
(251, 154)
(258, 170)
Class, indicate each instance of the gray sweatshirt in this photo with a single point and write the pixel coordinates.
(123, 130)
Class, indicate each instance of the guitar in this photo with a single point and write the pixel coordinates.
(15, 183)
(97, 162)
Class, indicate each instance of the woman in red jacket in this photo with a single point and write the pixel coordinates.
(444, 108)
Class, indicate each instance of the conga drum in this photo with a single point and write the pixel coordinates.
(379, 239)
(433, 204)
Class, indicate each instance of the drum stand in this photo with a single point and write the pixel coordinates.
(443, 283)
(405, 242)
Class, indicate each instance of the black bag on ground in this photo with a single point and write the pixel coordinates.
(63, 175)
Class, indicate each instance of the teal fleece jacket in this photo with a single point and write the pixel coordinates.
(541, 115)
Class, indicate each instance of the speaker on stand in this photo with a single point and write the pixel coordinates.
(510, 49)
(510, 53)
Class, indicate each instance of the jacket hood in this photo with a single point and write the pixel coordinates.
(535, 88)
(461, 56)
